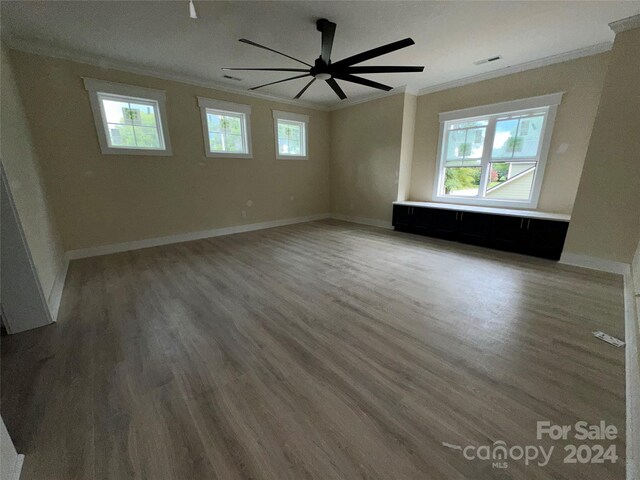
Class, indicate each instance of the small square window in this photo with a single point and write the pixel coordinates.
(129, 120)
(291, 135)
(226, 128)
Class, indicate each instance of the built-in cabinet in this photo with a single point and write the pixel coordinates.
(527, 232)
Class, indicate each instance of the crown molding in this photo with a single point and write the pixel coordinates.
(625, 24)
(39, 48)
(521, 67)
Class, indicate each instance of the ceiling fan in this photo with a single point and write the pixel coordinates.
(324, 69)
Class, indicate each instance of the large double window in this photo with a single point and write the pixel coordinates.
(495, 155)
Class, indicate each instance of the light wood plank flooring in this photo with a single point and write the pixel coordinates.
(324, 350)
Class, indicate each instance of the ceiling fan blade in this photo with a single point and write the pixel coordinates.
(336, 88)
(362, 81)
(249, 42)
(304, 89)
(374, 69)
(375, 52)
(270, 69)
(328, 30)
(279, 81)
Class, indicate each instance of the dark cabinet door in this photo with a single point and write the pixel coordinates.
(506, 233)
(474, 228)
(421, 219)
(401, 216)
(544, 238)
(444, 223)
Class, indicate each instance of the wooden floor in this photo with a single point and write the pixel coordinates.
(323, 350)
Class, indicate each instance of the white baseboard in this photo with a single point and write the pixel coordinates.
(55, 296)
(632, 361)
(17, 469)
(185, 237)
(594, 263)
(372, 222)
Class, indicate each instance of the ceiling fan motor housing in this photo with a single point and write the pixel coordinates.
(320, 70)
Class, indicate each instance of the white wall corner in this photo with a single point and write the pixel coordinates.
(632, 362)
(55, 296)
(594, 263)
(10, 460)
(625, 24)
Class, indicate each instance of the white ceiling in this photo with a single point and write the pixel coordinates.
(449, 36)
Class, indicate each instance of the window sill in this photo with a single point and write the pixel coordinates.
(492, 210)
(136, 152)
(228, 155)
(475, 201)
(292, 157)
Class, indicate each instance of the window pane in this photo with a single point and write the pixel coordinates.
(215, 142)
(114, 111)
(455, 145)
(290, 137)
(529, 132)
(510, 180)
(475, 142)
(214, 122)
(294, 147)
(147, 137)
(142, 114)
(462, 181)
(467, 124)
(234, 143)
(504, 140)
(121, 135)
(233, 125)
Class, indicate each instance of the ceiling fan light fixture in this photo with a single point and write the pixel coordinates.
(325, 69)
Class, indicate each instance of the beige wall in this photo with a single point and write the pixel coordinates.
(406, 147)
(581, 79)
(104, 199)
(606, 220)
(365, 157)
(22, 168)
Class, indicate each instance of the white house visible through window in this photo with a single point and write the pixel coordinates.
(291, 135)
(226, 128)
(129, 120)
(495, 155)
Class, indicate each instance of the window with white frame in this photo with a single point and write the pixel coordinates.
(226, 127)
(495, 155)
(129, 119)
(291, 131)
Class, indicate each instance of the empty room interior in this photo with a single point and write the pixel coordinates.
(380, 240)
